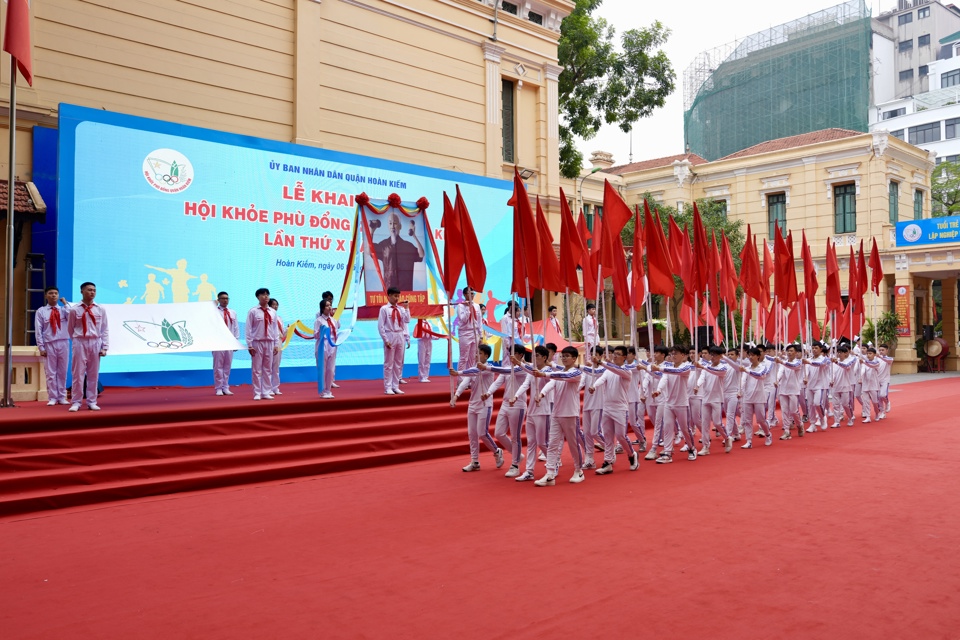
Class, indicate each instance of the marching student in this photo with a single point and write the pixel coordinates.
(710, 391)
(789, 388)
(53, 343)
(591, 331)
(469, 328)
(696, 404)
(329, 352)
(262, 334)
(616, 380)
(637, 409)
(480, 408)
(564, 417)
(770, 384)
(87, 325)
(424, 335)
(754, 397)
(510, 416)
(393, 332)
(843, 386)
(653, 401)
(731, 395)
(818, 380)
(872, 366)
(884, 379)
(281, 334)
(593, 405)
(223, 360)
(674, 388)
(538, 419)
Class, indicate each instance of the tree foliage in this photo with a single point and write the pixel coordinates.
(945, 189)
(604, 84)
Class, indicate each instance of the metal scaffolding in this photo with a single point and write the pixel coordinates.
(809, 74)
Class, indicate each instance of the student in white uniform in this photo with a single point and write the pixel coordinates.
(591, 331)
(510, 416)
(789, 388)
(564, 418)
(480, 408)
(710, 391)
(616, 381)
(538, 417)
(675, 389)
(87, 325)
(754, 397)
(393, 331)
(326, 320)
(281, 335)
(53, 343)
(469, 328)
(261, 334)
(223, 360)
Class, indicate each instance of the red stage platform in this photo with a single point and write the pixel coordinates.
(163, 440)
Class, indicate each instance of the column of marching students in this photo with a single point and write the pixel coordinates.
(719, 392)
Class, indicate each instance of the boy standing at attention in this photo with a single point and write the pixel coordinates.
(261, 335)
(87, 325)
(393, 329)
(223, 360)
(53, 342)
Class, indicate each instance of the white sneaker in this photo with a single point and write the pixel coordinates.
(498, 456)
(268, 396)
(277, 392)
(727, 445)
(548, 480)
(635, 462)
(768, 441)
(74, 407)
(703, 452)
(577, 477)
(227, 392)
(399, 392)
(867, 420)
(402, 381)
(692, 455)
(473, 466)
(334, 385)
(512, 472)
(678, 439)
(93, 407)
(219, 392)
(526, 477)
(388, 392)
(52, 403)
(619, 448)
(749, 445)
(542, 457)
(651, 455)
(685, 448)
(327, 396)
(879, 417)
(63, 402)
(605, 469)
(589, 464)
(665, 458)
(811, 429)
(424, 379)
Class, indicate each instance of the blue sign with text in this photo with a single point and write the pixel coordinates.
(932, 231)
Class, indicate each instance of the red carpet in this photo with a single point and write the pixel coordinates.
(849, 533)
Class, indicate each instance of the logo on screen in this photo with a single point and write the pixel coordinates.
(167, 171)
(167, 335)
(912, 233)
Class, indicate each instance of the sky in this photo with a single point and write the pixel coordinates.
(696, 25)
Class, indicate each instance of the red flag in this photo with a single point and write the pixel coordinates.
(587, 262)
(793, 324)
(621, 290)
(585, 237)
(473, 261)
(729, 279)
(853, 283)
(616, 214)
(750, 268)
(765, 274)
(810, 284)
(876, 268)
(700, 268)
(452, 246)
(549, 267)
(676, 238)
(572, 247)
(785, 278)
(714, 271)
(638, 289)
(16, 38)
(526, 248)
(834, 299)
(689, 289)
(659, 265)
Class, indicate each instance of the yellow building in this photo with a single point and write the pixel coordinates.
(838, 184)
(464, 85)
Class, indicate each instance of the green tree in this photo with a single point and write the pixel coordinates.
(945, 189)
(603, 85)
(715, 220)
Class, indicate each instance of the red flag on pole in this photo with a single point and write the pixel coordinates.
(687, 276)
(659, 265)
(810, 284)
(452, 246)
(728, 274)
(16, 37)
(549, 267)
(750, 267)
(876, 268)
(863, 281)
(853, 283)
(616, 214)
(587, 263)
(785, 278)
(834, 299)
(700, 268)
(765, 274)
(638, 289)
(572, 247)
(714, 271)
(473, 262)
(526, 249)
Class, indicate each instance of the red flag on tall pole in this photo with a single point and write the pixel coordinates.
(785, 278)
(700, 268)
(16, 37)
(765, 274)
(714, 271)
(638, 288)
(526, 249)
(863, 281)
(876, 268)
(750, 268)
(834, 299)
(571, 247)
(659, 265)
(473, 262)
(810, 284)
(452, 246)
(587, 262)
(853, 283)
(728, 278)
(549, 267)
(616, 214)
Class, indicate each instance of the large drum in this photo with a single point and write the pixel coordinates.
(934, 348)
